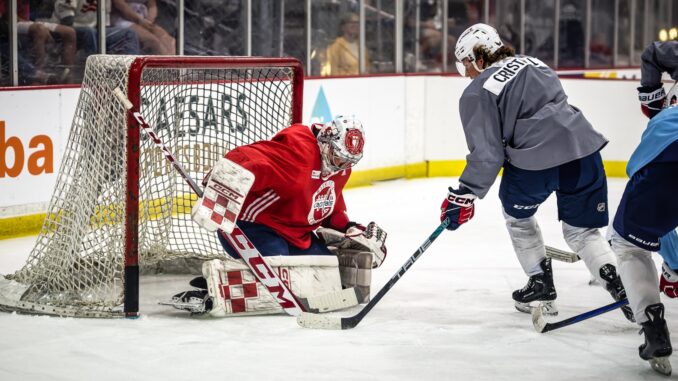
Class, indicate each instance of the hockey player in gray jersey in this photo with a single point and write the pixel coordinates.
(516, 116)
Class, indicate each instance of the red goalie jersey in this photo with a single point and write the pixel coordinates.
(289, 194)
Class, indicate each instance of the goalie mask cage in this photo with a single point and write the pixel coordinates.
(118, 204)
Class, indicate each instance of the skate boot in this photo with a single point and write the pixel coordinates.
(657, 346)
(615, 287)
(540, 289)
(197, 302)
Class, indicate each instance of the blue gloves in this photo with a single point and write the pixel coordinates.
(458, 207)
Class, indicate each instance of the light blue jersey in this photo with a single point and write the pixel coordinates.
(661, 131)
(669, 249)
(659, 134)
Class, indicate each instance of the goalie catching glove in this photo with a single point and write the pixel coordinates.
(369, 238)
(226, 187)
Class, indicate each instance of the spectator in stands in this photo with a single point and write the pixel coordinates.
(572, 35)
(343, 53)
(601, 51)
(82, 15)
(39, 35)
(140, 15)
(431, 35)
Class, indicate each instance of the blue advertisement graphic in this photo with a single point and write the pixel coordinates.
(321, 109)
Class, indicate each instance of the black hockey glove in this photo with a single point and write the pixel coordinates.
(651, 99)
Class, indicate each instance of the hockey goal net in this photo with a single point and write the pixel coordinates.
(118, 205)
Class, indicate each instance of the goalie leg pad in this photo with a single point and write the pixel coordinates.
(355, 267)
(235, 290)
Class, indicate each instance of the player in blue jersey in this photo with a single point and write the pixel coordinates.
(648, 212)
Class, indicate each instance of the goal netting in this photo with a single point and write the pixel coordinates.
(118, 205)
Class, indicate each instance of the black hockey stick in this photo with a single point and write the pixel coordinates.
(541, 326)
(310, 320)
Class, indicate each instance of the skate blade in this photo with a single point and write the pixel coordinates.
(193, 308)
(548, 307)
(661, 365)
(628, 314)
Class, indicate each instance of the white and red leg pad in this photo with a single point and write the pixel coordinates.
(236, 292)
(355, 267)
(225, 192)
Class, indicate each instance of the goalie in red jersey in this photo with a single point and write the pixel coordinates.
(289, 203)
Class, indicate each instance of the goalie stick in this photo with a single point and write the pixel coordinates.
(541, 326)
(310, 320)
(238, 240)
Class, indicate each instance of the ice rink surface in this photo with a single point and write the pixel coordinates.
(451, 317)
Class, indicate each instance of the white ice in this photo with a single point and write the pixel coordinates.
(451, 316)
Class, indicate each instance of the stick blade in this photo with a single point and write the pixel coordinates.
(538, 319)
(561, 255)
(315, 321)
(333, 301)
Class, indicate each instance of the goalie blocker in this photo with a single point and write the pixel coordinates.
(226, 187)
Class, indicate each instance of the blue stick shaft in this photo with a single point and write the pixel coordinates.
(585, 315)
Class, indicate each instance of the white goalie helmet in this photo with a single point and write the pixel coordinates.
(475, 35)
(341, 143)
(672, 97)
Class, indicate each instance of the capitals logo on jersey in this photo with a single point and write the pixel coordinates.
(322, 203)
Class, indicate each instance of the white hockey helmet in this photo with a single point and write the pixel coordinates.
(341, 143)
(671, 97)
(475, 35)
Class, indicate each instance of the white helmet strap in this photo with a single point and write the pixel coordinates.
(462, 69)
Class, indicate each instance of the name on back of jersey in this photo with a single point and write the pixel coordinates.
(508, 70)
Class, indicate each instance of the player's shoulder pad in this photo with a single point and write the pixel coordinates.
(507, 70)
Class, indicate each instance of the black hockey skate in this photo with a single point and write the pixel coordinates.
(539, 288)
(657, 347)
(197, 302)
(615, 287)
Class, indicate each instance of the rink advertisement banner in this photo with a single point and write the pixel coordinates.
(412, 128)
(378, 102)
(34, 127)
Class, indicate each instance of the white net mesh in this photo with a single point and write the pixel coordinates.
(77, 264)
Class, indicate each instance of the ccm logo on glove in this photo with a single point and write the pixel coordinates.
(458, 207)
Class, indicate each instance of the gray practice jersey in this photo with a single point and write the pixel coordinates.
(657, 58)
(521, 102)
